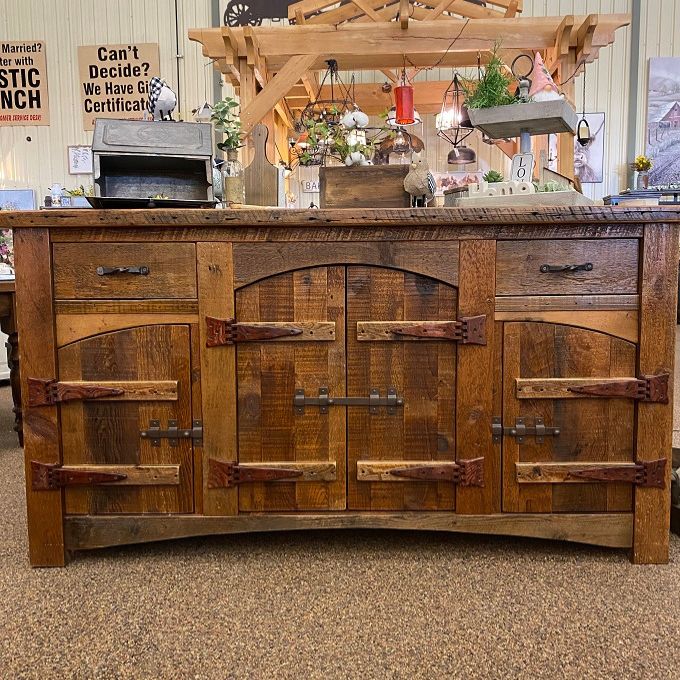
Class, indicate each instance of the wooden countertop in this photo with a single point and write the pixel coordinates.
(273, 217)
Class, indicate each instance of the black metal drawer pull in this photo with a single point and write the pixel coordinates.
(552, 268)
(142, 270)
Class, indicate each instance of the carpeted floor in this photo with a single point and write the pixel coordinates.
(331, 605)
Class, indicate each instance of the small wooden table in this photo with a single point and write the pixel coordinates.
(8, 326)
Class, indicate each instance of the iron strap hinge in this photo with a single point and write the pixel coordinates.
(642, 473)
(374, 401)
(47, 476)
(229, 331)
(173, 433)
(648, 388)
(226, 474)
(43, 392)
(520, 430)
(470, 330)
(468, 472)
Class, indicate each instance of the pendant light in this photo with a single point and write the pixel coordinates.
(453, 124)
(403, 99)
(583, 128)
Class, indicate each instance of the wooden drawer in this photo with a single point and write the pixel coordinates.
(614, 267)
(171, 267)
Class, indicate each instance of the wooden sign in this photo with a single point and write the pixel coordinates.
(114, 80)
(23, 83)
(522, 167)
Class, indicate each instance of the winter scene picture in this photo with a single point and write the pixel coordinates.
(663, 120)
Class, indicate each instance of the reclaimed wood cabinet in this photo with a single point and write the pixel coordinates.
(203, 371)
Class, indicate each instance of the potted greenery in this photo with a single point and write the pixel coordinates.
(642, 165)
(225, 118)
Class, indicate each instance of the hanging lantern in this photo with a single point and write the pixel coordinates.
(403, 99)
(583, 132)
(453, 122)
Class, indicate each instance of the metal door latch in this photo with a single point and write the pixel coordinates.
(142, 270)
(374, 401)
(521, 430)
(173, 433)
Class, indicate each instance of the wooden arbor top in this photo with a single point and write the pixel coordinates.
(272, 63)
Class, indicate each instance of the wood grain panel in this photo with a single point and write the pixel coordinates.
(172, 270)
(659, 290)
(422, 373)
(107, 432)
(541, 303)
(269, 430)
(253, 262)
(591, 430)
(615, 267)
(559, 473)
(135, 475)
(363, 187)
(35, 323)
(133, 390)
(560, 388)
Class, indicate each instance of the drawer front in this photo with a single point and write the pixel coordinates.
(608, 267)
(171, 270)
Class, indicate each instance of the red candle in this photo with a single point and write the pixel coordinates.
(403, 97)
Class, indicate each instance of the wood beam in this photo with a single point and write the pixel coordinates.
(511, 11)
(278, 87)
(368, 10)
(404, 8)
(439, 10)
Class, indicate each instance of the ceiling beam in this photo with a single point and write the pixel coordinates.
(404, 11)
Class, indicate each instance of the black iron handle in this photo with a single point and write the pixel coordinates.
(142, 270)
(551, 268)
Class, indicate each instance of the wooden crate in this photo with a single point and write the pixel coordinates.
(364, 186)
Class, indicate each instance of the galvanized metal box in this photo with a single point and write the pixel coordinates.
(135, 160)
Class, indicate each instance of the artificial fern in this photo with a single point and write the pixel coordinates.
(492, 87)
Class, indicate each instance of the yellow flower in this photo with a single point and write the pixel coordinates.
(642, 163)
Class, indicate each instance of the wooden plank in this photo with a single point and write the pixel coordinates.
(475, 379)
(559, 388)
(381, 470)
(35, 324)
(261, 177)
(404, 9)
(196, 414)
(312, 471)
(136, 475)
(659, 290)
(614, 267)
(621, 324)
(126, 307)
(312, 331)
(560, 473)
(439, 9)
(216, 298)
(381, 331)
(72, 327)
(278, 87)
(366, 8)
(134, 390)
(614, 530)
(537, 303)
(253, 262)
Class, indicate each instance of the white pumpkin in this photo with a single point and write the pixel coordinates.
(360, 118)
(357, 157)
(349, 161)
(348, 120)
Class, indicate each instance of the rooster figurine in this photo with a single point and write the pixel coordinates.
(419, 182)
(162, 100)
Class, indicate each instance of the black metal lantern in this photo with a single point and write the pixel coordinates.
(453, 124)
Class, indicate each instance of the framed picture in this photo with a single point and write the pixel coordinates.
(80, 160)
(589, 159)
(17, 199)
(451, 180)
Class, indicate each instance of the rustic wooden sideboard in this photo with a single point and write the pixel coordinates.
(198, 372)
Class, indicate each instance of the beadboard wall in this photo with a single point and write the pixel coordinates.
(66, 24)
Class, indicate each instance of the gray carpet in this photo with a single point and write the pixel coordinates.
(331, 605)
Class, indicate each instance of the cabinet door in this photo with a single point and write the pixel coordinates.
(152, 364)
(591, 428)
(423, 374)
(272, 433)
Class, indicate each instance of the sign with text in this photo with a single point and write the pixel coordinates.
(522, 167)
(114, 80)
(23, 83)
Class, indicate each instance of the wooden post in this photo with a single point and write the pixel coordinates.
(565, 144)
(658, 300)
(247, 93)
(35, 322)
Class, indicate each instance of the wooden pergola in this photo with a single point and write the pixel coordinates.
(275, 68)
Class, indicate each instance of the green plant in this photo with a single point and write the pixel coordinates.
(81, 191)
(492, 88)
(493, 176)
(552, 185)
(225, 118)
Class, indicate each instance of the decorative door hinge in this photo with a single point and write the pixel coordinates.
(225, 474)
(470, 330)
(643, 473)
(463, 472)
(374, 401)
(521, 430)
(228, 331)
(173, 433)
(650, 388)
(48, 392)
(47, 476)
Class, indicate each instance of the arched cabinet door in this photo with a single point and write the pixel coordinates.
(570, 395)
(150, 369)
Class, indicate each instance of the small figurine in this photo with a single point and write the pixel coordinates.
(543, 88)
(162, 100)
(419, 182)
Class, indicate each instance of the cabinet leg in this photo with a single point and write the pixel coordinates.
(12, 345)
